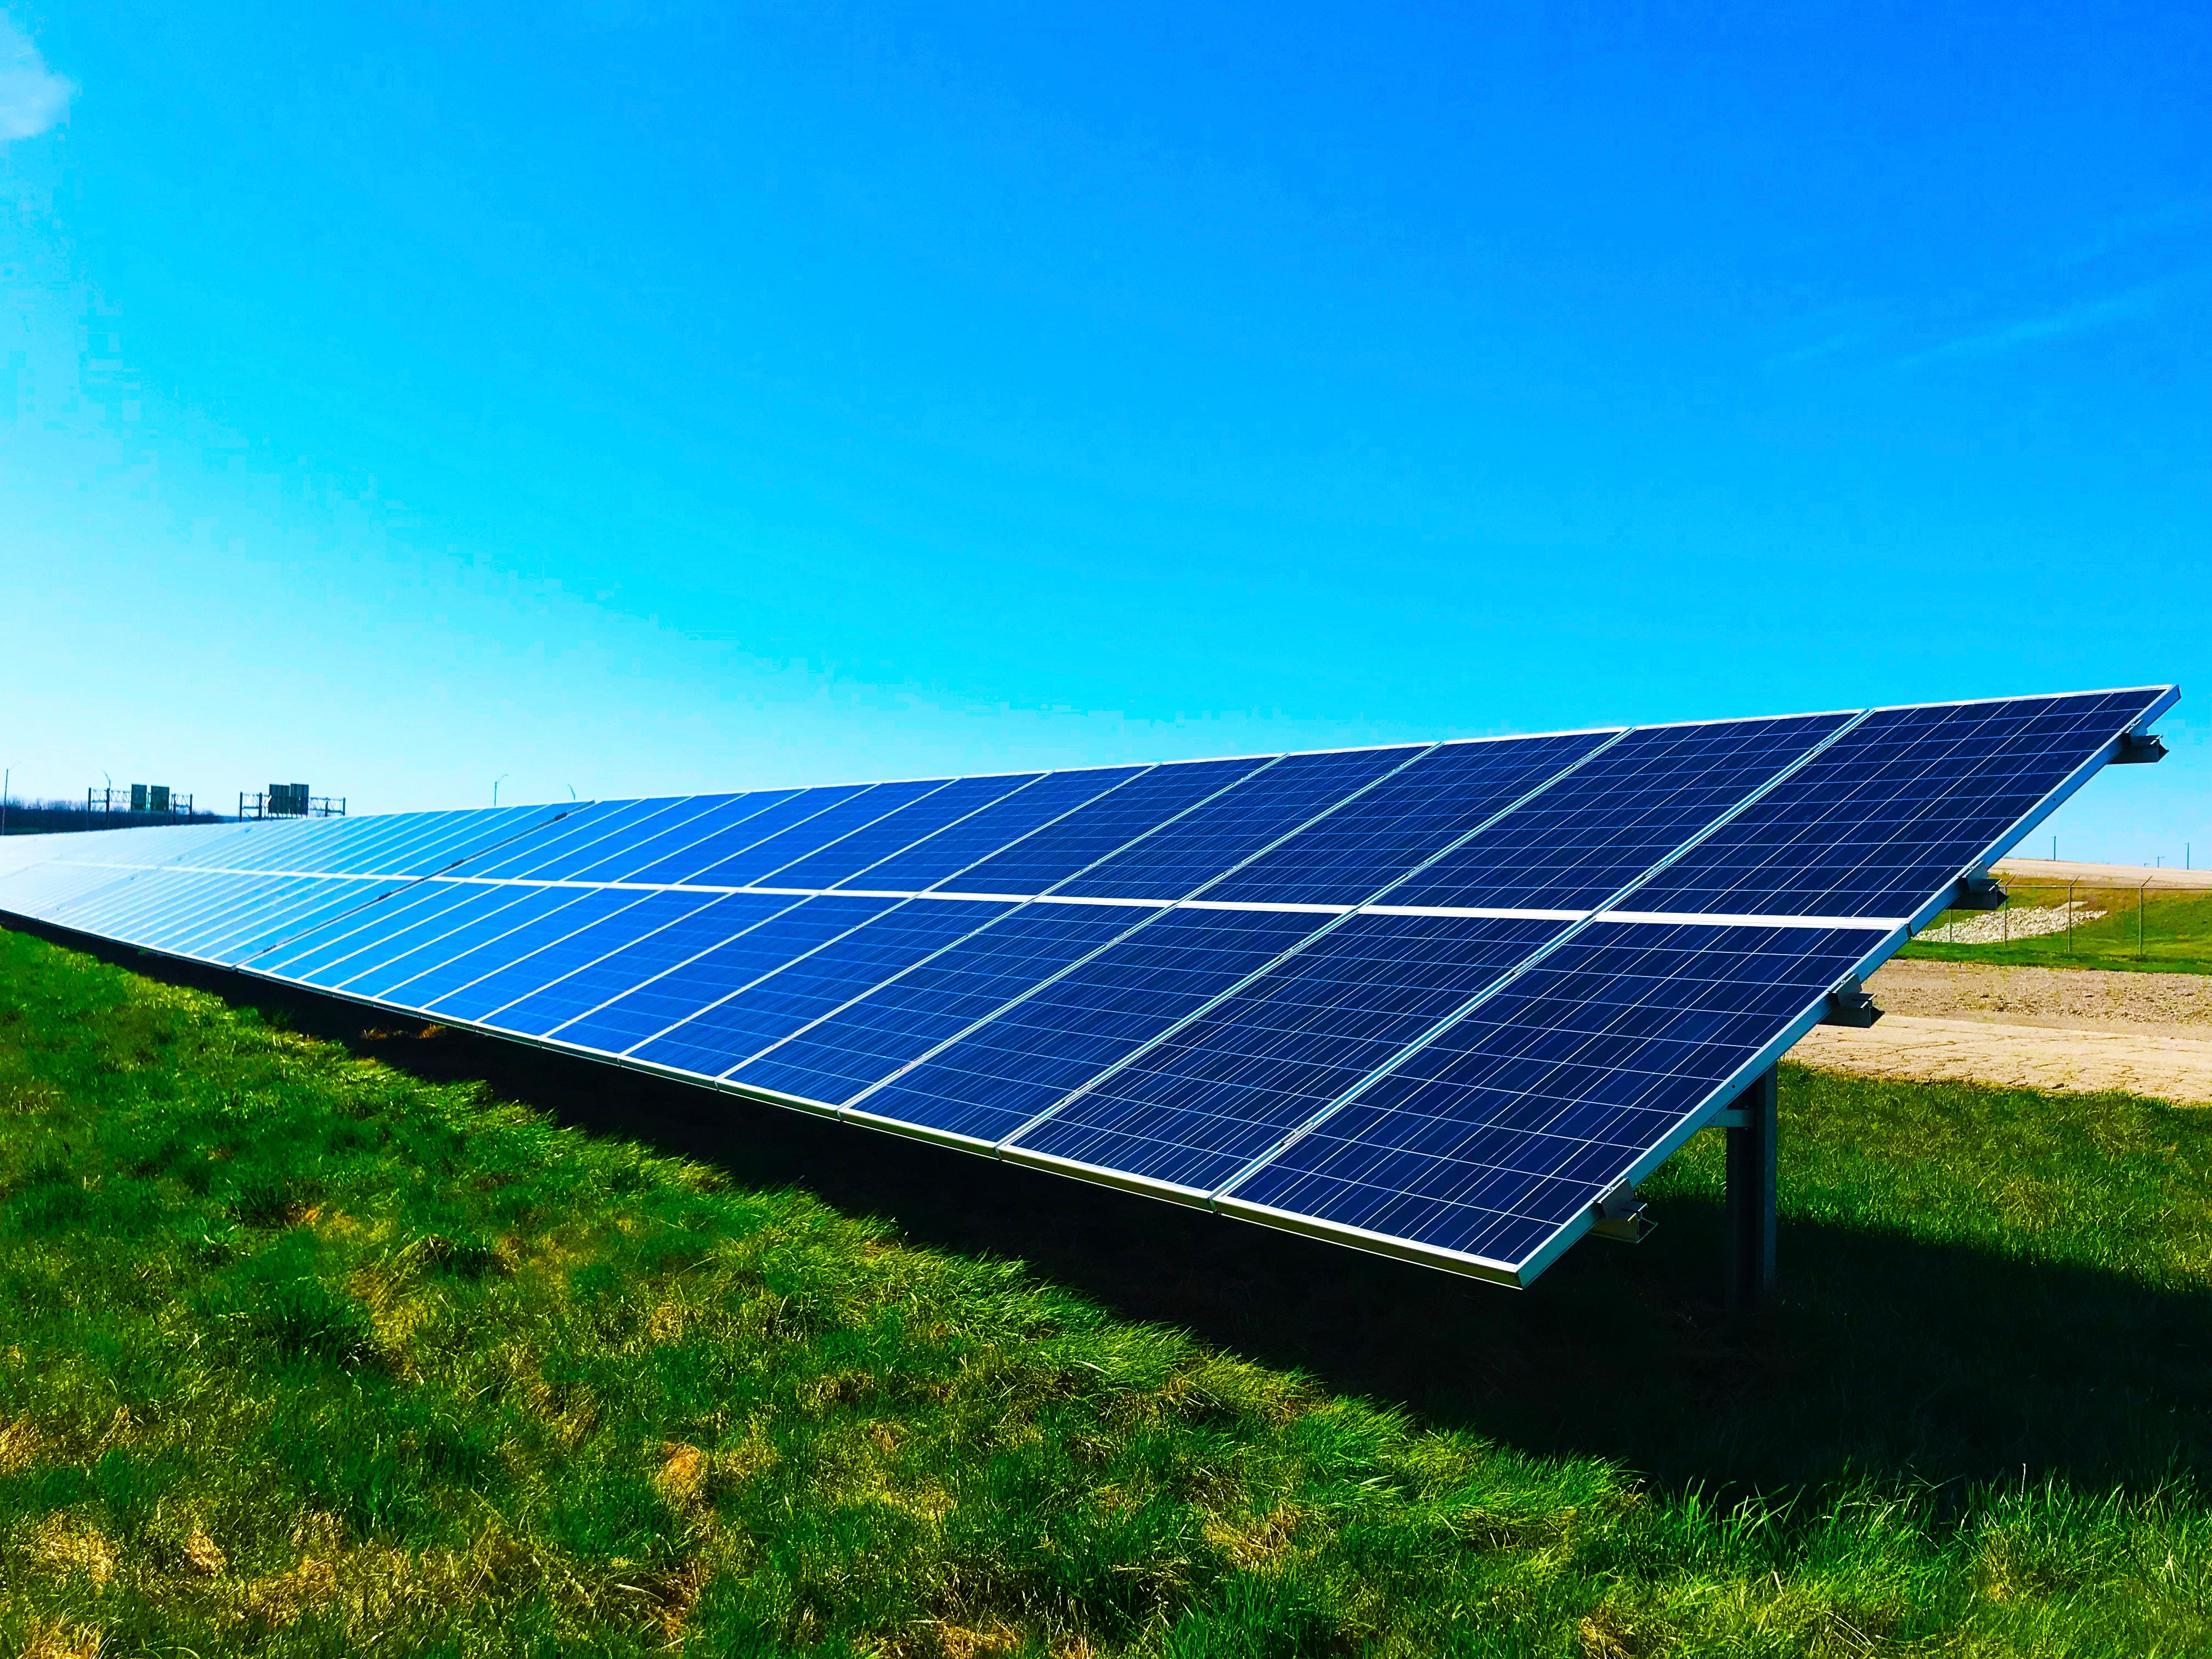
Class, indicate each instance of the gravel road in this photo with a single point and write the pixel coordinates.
(2084, 1030)
(2066, 999)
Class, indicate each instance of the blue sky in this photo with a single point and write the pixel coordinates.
(640, 397)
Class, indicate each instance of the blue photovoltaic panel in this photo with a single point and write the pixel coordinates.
(1003, 824)
(706, 817)
(115, 907)
(271, 846)
(685, 930)
(246, 939)
(473, 923)
(416, 845)
(687, 854)
(248, 902)
(1488, 1141)
(579, 839)
(87, 884)
(1227, 1087)
(196, 909)
(844, 859)
(1606, 823)
(899, 1021)
(1069, 844)
(674, 996)
(1403, 821)
(549, 914)
(758, 862)
(1893, 811)
(561, 962)
(1001, 1074)
(1214, 837)
(404, 844)
(1196, 1003)
(145, 903)
(729, 1033)
(42, 890)
(329, 954)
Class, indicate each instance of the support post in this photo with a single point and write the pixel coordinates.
(1750, 1201)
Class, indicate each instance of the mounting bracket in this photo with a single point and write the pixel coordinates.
(2139, 749)
(1621, 1216)
(1982, 892)
(1850, 1004)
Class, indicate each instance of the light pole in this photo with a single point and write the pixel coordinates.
(6, 776)
(495, 783)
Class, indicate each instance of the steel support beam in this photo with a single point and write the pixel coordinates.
(1751, 1143)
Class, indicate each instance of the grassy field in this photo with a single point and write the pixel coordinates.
(312, 1346)
(2139, 931)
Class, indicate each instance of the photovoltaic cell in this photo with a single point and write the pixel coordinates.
(474, 922)
(1069, 844)
(1215, 836)
(620, 920)
(116, 907)
(327, 899)
(991, 1081)
(729, 1032)
(1407, 818)
(636, 961)
(720, 819)
(1896, 809)
(902, 1019)
(1605, 824)
(1222, 1090)
(691, 855)
(43, 891)
(247, 902)
(551, 852)
(684, 990)
(894, 833)
(362, 938)
(195, 904)
(552, 912)
(1003, 824)
(862, 812)
(1485, 1143)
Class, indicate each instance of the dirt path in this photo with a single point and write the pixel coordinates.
(2064, 998)
(2116, 877)
(2039, 1028)
(2017, 1056)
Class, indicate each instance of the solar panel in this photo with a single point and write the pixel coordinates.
(1445, 1001)
(1487, 1141)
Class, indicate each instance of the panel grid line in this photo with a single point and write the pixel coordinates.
(1009, 1142)
(1048, 897)
(1535, 957)
(740, 990)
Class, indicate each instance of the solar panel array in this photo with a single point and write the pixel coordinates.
(1435, 999)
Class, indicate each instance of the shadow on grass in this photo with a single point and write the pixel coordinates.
(1887, 1356)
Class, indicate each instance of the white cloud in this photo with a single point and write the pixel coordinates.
(2075, 319)
(32, 96)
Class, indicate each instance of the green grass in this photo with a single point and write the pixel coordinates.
(303, 1352)
(2140, 932)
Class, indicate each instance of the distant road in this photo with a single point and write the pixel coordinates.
(2059, 872)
